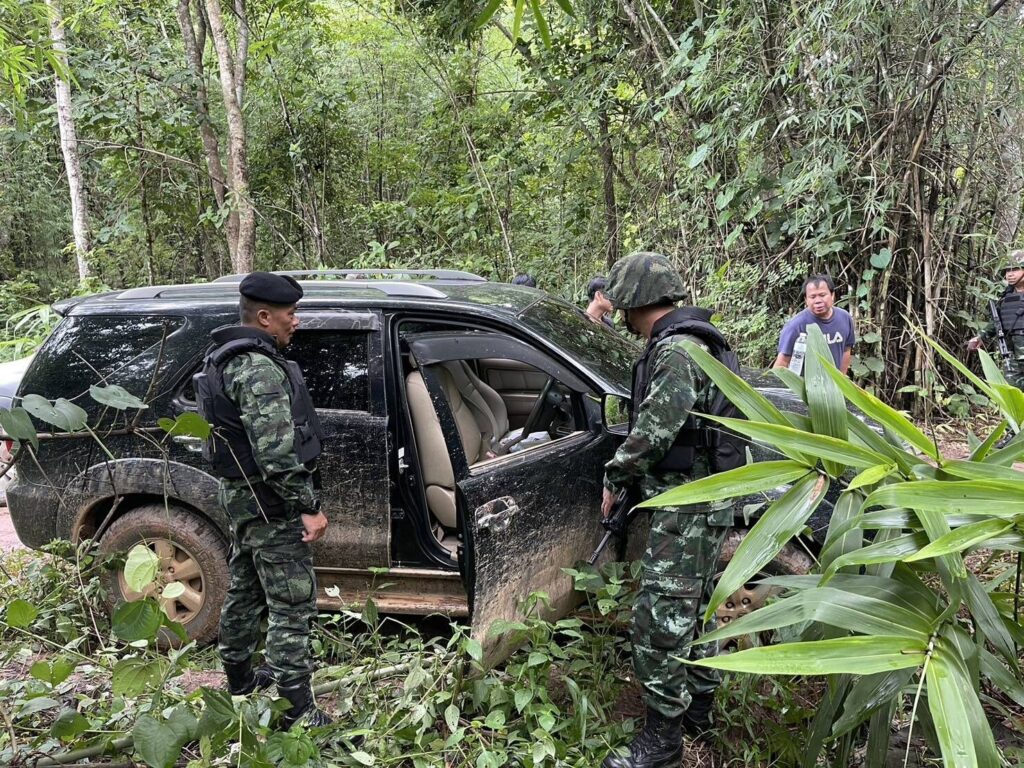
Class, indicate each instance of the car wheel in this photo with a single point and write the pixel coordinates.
(790, 561)
(191, 551)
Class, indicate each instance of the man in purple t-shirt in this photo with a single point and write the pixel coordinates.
(835, 323)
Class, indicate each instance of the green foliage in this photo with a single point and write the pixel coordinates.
(916, 604)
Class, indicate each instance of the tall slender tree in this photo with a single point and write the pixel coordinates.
(69, 139)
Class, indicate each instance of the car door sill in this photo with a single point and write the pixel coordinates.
(411, 591)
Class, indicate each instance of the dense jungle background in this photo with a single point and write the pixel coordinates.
(752, 141)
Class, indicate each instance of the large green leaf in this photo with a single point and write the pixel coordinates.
(838, 686)
(868, 694)
(885, 551)
(854, 612)
(825, 402)
(140, 567)
(489, 10)
(979, 470)
(983, 450)
(871, 476)
(133, 676)
(987, 619)
(955, 362)
(17, 425)
(863, 435)
(845, 512)
(1012, 400)
(790, 440)
(541, 22)
(1003, 679)
(1008, 454)
(794, 381)
(115, 396)
(21, 613)
(852, 655)
(960, 724)
(187, 423)
(61, 413)
(962, 538)
(994, 498)
(950, 567)
(907, 593)
(884, 414)
(779, 523)
(751, 403)
(137, 620)
(158, 742)
(749, 479)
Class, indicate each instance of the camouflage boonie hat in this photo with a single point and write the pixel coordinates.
(1014, 261)
(642, 279)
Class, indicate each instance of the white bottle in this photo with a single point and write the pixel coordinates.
(796, 361)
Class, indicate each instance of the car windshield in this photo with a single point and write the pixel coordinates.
(594, 345)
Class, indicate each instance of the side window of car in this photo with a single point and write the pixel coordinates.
(336, 367)
(102, 349)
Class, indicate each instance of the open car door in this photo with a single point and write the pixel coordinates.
(528, 514)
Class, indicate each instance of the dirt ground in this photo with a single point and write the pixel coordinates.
(8, 538)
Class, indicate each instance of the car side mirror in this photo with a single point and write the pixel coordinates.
(615, 413)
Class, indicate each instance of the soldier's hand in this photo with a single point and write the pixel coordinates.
(974, 344)
(607, 502)
(314, 525)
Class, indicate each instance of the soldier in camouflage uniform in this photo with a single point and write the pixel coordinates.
(264, 447)
(1011, 312)
(685, 542)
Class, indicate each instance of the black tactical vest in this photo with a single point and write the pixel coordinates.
(228, 449)
(1011, 313)
(691, 321)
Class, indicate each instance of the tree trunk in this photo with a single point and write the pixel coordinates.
(242, 258)
(69, 141)
(194, 43)
(611, 214)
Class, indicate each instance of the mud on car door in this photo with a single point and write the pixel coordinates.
(530, 513)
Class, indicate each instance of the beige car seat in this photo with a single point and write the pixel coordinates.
(470, 401)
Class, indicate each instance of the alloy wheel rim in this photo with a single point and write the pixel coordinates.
(176, 564)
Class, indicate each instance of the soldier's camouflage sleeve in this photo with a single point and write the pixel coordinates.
(673, 390)
(259, 388)
(989, 331)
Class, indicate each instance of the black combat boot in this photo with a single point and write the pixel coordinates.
(659, 745)
(242, 679)
(300, 696)
(697, 719)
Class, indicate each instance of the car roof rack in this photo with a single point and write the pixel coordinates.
(370, 274)
(395, 288)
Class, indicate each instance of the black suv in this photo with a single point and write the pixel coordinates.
(466, 439)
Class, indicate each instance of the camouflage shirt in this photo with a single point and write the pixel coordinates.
(676, 384)
(259, 387)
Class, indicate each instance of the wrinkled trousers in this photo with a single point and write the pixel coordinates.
(676, 582)
(271, 577)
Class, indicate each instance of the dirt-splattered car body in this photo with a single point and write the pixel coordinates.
(422, 382)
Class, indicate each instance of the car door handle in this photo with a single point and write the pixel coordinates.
(189, 443)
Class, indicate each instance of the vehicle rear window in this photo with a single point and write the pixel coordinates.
(100, 349)
(336, 367)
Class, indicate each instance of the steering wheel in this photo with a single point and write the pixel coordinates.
(539, 407)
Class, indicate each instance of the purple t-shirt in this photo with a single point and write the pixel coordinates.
(838, 332)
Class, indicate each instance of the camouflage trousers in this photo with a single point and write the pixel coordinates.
(676, 582)
(271, 577)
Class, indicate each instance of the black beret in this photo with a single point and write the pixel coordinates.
(271, 288)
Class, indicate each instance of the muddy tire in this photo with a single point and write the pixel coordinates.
(790, 561)
(191, 551)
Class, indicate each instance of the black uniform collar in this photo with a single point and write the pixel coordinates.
(226, 333)
(677, 316)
